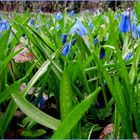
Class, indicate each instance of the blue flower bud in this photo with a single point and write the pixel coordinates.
(125, 22)
(95, 41)
(73, 42)
(4, 25)
(23, 35)
(128, 56)
(134, 29)
(57, 27)
(64, 38)
(32, 21)
(90, 25)
(66, 49)
(71, 13)
(59, 16)
(102, 53)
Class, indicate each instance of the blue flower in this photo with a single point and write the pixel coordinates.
(66, 49)
(95, 41)
(4, 25)
(102, 53)
(41, 102)
(79, 28)
(134, 15)
(31, 21)
(71, 13)
(57, 27)
(23, 35)
(138, 31)
(90, 25)
(59, 16)
(128, 56)
(125, 22)
(37, 29)
(64, 38)
(134, 29)
(73, 42)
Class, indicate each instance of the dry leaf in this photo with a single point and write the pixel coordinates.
(24, 56)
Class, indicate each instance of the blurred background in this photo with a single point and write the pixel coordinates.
(55, 6)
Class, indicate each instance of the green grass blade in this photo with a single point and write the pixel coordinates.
(76, 114)
(65, 95)
(34, 113)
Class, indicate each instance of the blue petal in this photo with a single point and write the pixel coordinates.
(125, 22)
(102, 53)
(32, 21)
(66, 49)
(95, 41)
(59, 16)
(79, 28)
(71, 13)
(64, 38)
(128, 56)
(90, 25)
(73, 42)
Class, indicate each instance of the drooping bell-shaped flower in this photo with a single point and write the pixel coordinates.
(102, 53)
(90, 25)
(128, 56)
(66, 49)
(134, 29)
(64, 38)
(138, 31)
(4, 25)
(125, 22)
(23, 35)
(59, 16)
(95, 41)
(32, 22)
(71, 13)
(79, 28)
(58, 27)
(73, 42)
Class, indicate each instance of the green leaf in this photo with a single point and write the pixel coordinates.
(34, 113)
(137, 10)
(76, 114)
(3, 45)
(33, 134)
(66, 94)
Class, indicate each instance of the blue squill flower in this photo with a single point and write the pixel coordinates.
(71, 13)
(23, 35)
(31, 21)
(102, 53)
(41, 102)
(64, 38)
(128, 56)
(4, 25)
(95, 41)
(73, 42)
(66, 49)
(79, 28)
(90, 25)
(138, 31)
(134, 29)
(125, 22)
(57, 27)
(134, 15)
(59, 16)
